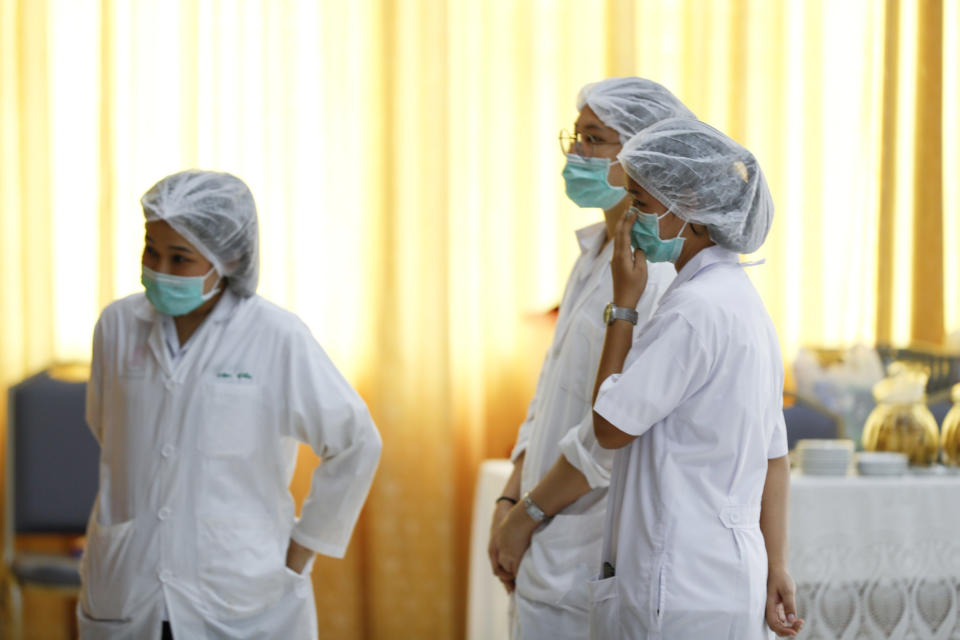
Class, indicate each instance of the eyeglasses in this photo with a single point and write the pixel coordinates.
(578, 143)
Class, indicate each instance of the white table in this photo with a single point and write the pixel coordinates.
(488, 603)
(872, 557)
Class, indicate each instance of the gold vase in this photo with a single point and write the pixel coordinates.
(901, 421)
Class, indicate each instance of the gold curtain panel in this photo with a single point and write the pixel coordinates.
(403, 156)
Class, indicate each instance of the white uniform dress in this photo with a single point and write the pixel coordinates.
(702, 388)
(193, 514)
(551, 596)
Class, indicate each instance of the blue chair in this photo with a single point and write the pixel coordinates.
(806, 419)
(940, 404)
(52, 474)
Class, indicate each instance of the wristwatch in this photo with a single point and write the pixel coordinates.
(533, 510)
(613, 312)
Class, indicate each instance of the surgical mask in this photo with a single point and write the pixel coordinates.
(645, 236)
(586, 182)
(175, 295)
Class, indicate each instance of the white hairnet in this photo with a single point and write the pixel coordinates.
(630, 105)
(704, 177)
(215, 213)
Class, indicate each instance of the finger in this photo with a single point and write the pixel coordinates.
(621, 238)
(772, 616)
(498, 569)
(492, 554)
(508, 564)
(780, 628)
(494, 566)
(789, 605)
(776, 620)
(502, 572)
(782, 631)
(617, 249)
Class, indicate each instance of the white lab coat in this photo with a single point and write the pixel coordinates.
(702, 388)
(564, 554)
(193, 514)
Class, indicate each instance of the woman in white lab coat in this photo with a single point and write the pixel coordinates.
(559, 470)
(695, 537)
(199, 392)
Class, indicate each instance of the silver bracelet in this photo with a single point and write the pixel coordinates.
(533, 510)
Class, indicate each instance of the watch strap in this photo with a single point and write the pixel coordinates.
(621, 313)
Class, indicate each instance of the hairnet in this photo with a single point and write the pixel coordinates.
(630, 105)
(704, 177)
(214, 212)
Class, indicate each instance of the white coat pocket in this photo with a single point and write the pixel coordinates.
(242, 568)
(301, 581)
(234, 420)
(107, 569)
(604, 609)
(92, 629)
(561, 558)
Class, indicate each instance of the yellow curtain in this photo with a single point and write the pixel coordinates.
(404, 159)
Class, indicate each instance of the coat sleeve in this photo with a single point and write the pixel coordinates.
(94, 400)
(327, 414)
(581, 449)
(778, 446)
(664, 367)
(778, 439)
(579, 445)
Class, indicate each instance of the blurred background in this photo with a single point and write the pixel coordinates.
(404, 158)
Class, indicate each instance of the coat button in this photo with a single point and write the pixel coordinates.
(167, 450)
(165, 575)
(164, 513)
(734, 517)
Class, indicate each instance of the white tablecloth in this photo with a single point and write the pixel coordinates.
(872, 557)
(877, 557)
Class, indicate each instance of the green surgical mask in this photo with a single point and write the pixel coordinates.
(645, 236)
(175, 295)
(586, 182)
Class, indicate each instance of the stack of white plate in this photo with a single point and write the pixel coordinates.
(881, 463)
(825, 457)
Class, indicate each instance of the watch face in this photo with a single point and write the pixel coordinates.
(607, 312)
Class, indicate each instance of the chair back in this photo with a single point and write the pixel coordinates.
(940, 410)
(52, 458)
(944, 367)
(804, 421)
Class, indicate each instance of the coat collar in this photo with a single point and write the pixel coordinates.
(591, 237)
(704, 259)
(591, 241)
